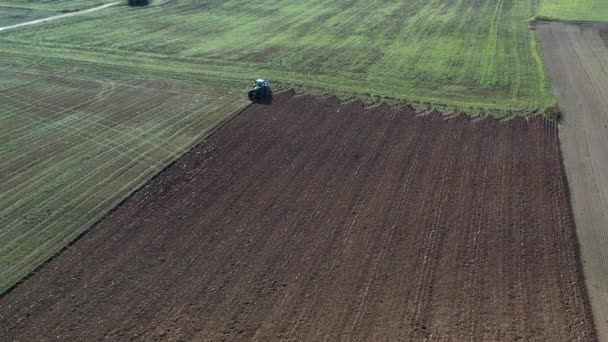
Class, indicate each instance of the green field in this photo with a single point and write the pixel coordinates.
(574, 10)
(93, 106)
(15, 15)
(75, 145)
(476, 56)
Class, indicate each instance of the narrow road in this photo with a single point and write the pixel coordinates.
(55, 17)
(576, 56)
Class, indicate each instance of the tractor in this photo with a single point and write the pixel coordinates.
(260, 92)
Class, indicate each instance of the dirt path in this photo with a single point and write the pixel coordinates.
(55, 17)
(577, 59)
(310, 220)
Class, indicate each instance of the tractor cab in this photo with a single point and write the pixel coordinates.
(260, 82)
(260, 92)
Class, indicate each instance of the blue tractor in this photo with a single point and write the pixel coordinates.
(260, 92)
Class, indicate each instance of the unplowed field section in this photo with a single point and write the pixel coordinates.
(73, 146)
(311, 220)
(577, 59)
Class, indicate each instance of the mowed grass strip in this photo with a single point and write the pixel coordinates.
(477, 56)
(573, 10)
(73, 147)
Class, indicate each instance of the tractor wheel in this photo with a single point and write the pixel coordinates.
(252, 95)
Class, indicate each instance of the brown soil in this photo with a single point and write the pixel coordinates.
(312, 220)
(576, 56)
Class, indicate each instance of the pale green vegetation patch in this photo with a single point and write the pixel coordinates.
(14, 15)
(476, 56)
(54, 5)
(573, 10)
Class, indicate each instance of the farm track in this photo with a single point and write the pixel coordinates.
(313, 220)
(577, 59)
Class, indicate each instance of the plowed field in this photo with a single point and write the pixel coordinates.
(313, 220)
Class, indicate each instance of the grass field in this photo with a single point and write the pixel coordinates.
(477, 56)
(73, 146)
(15, 15)
(574, 10)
